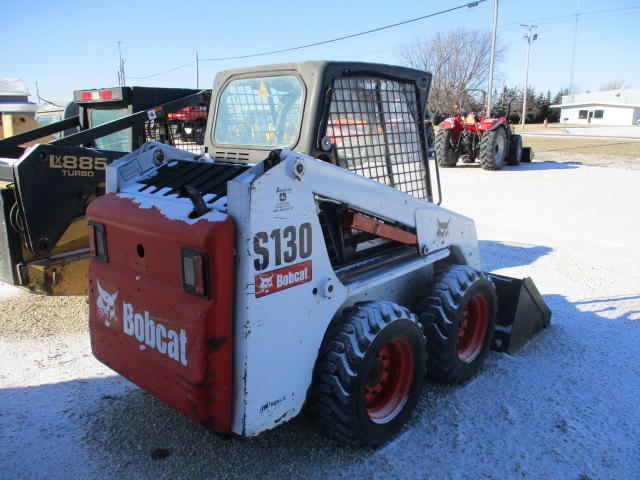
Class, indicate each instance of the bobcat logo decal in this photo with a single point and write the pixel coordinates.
(106, 304)
(442, 232)
(265, 283)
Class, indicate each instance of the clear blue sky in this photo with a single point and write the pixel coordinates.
(73, 44)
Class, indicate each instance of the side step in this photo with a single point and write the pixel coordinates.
(522, 312)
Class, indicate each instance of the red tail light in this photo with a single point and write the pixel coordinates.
(97, 242)
(105, 94)
(195, 272)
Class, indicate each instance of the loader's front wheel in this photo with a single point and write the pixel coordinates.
(459, 316)
(447, 151)
(369, 373)
(493, 149)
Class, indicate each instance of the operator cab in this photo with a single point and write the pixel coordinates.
(366, 123)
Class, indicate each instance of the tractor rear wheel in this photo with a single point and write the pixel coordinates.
(492, 149)
(515, 151)
(459, 317)
(447, 152)
(369, 373)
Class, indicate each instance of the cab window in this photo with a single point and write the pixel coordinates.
(118, 141)
(263, 112)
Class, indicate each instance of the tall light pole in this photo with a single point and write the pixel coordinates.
(573, 54)
(529, 38)
(121, 80)
(197, 72)
(493, 53)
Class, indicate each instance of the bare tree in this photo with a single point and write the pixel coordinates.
(618, 84)
(459, 61)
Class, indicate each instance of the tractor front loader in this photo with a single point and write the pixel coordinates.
(240, 285)
(45, 188)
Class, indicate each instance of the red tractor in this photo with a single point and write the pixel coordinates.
(476, 137)
(191, 122)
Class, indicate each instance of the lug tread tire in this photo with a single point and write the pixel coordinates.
(336, 399)
(445, 155)
(488, 160)
(439, 313)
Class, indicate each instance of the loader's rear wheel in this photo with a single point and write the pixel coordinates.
(492, 149)
(447, 152)
(515, 151)
(459, 316)
(369, 373)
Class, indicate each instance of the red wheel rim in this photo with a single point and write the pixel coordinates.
(473, 328)
(389, 380)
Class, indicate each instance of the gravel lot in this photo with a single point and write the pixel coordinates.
(564, 406)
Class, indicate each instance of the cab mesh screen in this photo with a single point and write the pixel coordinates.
(374, 126)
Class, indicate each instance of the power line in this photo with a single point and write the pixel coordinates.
(571, 16)
(346, 37)
(162, 73)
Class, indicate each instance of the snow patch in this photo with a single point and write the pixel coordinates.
(174, 208)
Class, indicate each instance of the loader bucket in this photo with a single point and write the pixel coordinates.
(527, 154)
(522, 312)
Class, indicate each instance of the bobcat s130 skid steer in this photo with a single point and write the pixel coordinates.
(300, 259)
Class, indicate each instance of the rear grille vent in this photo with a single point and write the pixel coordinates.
(210, 179)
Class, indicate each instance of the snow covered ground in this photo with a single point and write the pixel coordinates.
(564, 406)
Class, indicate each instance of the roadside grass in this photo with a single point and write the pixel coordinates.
(591, 146)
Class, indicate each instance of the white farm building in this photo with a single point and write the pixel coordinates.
(613, 107)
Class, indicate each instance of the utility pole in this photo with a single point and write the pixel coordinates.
(529, 38)
(121, 80)
(197, 73)
(493, 53)
(573, 55)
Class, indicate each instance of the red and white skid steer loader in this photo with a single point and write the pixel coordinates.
(238, 285)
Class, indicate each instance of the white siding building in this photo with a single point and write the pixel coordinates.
(14, 98)
(614, 107)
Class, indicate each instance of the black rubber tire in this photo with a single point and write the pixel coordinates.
(344, 397)
(446, 152)
(459, 318)
(493, 149)
(515, 151)
(431, 137)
